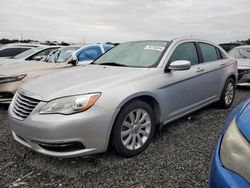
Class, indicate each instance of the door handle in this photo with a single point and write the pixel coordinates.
(222, 64)
(200, 69)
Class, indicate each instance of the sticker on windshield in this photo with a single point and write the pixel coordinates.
(157, 48)
(69, 51)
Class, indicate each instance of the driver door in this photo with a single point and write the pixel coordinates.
(184, 90)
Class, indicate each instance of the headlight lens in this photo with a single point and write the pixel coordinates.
(70, 105)
(12, 78)
(235, 151)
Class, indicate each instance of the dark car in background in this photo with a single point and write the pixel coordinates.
(229, 46)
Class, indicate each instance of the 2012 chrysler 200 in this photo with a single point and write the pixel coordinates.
(121, 98)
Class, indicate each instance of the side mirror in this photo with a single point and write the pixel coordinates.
(37, 58)
(180, 65)
(73, 60)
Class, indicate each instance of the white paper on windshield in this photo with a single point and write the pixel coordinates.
(157, 48)
(69, 51)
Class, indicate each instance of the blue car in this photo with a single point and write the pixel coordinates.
(231, 163)
(85, 53)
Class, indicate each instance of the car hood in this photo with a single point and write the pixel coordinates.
(82, 80)
(23, 68)
(243, 121)
(243, 63)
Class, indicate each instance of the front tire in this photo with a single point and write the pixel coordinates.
(134, 129)
(228, 93)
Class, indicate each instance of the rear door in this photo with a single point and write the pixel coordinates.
(212, 68)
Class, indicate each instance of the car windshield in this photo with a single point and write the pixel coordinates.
(27, 53)
(240, 53)
(134, 54)
(64, 54)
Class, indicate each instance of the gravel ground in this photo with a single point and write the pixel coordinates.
(180, 156)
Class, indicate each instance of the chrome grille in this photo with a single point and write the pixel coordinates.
(24, 105)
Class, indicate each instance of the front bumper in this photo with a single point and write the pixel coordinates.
(244, 77)
(6, 97)
(222, 177)
(91, 129)
(7, 91)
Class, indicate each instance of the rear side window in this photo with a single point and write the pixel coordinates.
(209, 52)
(90, 54)
(8, 52)
(186, 51)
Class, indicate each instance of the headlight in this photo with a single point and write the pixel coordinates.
(12, 78)
(235, 151)
(70, 105)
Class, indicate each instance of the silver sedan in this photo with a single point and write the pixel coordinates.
(242, 55)
(121, 98)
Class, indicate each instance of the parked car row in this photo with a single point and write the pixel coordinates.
(121, 96)
(12, 75)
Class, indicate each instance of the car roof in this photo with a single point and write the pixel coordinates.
(23, 45)
(179, 39)
(11, 47)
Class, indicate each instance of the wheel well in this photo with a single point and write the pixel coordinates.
(233, 77)
(151, 101)
(145, 98)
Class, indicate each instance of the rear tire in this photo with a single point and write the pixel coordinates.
(134, 129)
(227, 95)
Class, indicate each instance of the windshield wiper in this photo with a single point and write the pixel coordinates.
(113, 64)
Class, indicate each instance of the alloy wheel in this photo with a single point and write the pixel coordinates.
(136, 129)
(229, 94)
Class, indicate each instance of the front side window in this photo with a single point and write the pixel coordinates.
(89, 54)
(135, 54)
(209, 52)
(186, 51)
(42, 53)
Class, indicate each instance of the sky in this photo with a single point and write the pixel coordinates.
(95, 21)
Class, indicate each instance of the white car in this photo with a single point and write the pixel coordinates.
(37, 54)
(10, 50)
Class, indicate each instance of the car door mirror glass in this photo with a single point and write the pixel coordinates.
(180, 65)
(73, 59)
(37, 58)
